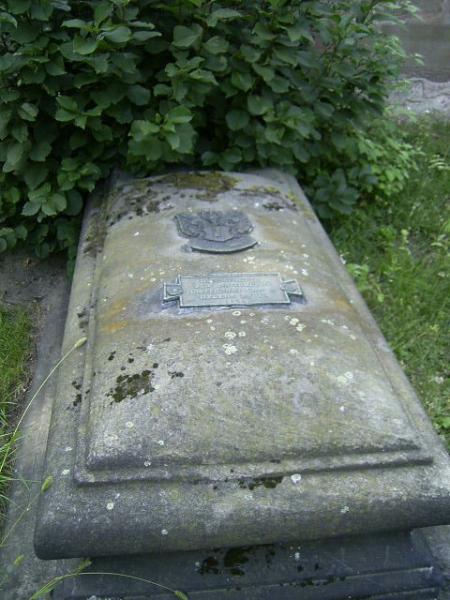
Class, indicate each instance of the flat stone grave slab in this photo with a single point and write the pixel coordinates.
(234, 389)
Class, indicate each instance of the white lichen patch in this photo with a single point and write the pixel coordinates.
(68, 449)
(65, 471)
(147, 463)
(296, 478)
(300, 327)
(209, 320)
(212, 328)
(236, 313)
(345, 509)
(109, 505)
(130, 275)
(327, 321)
(129, 425)
(305, 272)
(293, 351)
(136, 234)
(229, 349)
(164, 532)
(297, 556)
(345, 378)
(230, 335)
(293, 322)
(242, 334)
(342, 408)
(161, 442)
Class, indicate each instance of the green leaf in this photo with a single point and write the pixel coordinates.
(7, 18)
(28, 111)
(5, 116)
(21, 232)
(144, 36)
(31, 208)
(84, 46)
(75, 24)
(40, 151)
(299, 32)
(74, 203)
(216, 45)
(56, 66)
(102, 11)
(20, 132)
(138, 95)
(119, 35)
(18, 7)
(279, 85)
(180, 114)
(58, 201)
(306, 59)
(222, 14)
(35, 175)
(181, 595)
(258, 105)
(242, 81)
(237, 119)
(14, 156)
(287, 55)
(250, 54)
(262, 32)
(184, 37)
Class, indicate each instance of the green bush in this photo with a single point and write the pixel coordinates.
(144, 85)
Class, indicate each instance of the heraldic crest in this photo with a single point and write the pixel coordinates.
(216, 231)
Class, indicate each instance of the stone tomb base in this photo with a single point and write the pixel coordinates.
(395, 566)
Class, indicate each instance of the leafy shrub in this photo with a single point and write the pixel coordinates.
(144, 84)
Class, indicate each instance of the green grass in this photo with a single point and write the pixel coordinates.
(15, 341)
(399, 254)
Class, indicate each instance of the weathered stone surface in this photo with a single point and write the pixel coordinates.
(422, 96)
(180, 428)
(393, 566)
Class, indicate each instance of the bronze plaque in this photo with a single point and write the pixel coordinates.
(215, 231)
(231, 289)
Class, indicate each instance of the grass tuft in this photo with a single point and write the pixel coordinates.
(398, 251)
(15, 343)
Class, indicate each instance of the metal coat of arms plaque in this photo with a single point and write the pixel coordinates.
(216, 231)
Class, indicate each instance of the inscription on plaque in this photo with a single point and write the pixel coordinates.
(231, 289)
(216, 231)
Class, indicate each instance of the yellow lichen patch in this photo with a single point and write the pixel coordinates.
(115, 326)
(115, 309)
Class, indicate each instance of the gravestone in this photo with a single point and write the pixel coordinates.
(234, 393)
